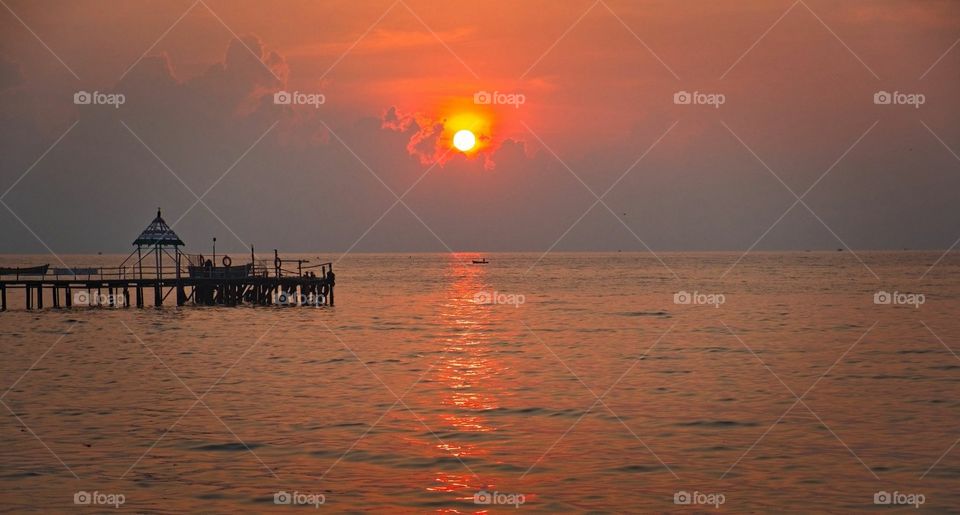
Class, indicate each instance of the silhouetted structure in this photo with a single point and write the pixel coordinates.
(157, 238)
(204, 283)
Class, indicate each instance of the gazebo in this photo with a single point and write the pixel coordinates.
(157, 239)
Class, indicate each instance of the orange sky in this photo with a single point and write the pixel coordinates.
(598, 80)
(597, 67)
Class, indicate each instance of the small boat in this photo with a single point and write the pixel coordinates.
(28, 270)
(480, 261)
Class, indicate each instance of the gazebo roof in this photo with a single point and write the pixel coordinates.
(158, 233)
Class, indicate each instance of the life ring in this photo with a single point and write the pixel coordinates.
(226, 261)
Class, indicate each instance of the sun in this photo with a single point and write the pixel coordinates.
(464, 140)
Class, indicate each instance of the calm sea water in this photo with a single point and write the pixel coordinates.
(585, 386)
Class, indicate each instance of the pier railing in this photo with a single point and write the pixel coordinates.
(191, 266)
(250, 283)
(91, 273)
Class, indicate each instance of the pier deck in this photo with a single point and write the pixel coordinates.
(104, 289)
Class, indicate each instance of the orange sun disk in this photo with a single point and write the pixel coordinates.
(467, 131)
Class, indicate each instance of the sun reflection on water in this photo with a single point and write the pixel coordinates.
(470, 373)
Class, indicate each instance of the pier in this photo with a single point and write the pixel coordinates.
(157, 272)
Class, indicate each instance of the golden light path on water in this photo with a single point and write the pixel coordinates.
(470, 373)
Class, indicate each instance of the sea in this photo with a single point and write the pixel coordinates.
(798, 382)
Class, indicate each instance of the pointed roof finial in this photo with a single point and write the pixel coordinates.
(158, 233)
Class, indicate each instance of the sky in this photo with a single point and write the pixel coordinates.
(787, 141)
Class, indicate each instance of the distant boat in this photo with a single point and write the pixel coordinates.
(28, 270)
(480, 261)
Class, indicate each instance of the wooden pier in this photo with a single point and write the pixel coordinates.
(189, 279)
(103, 292)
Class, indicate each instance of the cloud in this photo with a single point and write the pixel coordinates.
(248, 72)
(429, 138)
(424, 135)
